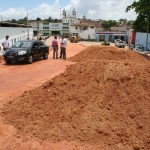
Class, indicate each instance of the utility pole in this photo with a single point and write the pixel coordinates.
(27, 26)
(1, 18)
(147, 31)
(60, 13)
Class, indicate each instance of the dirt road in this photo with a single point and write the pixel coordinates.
(14, 80)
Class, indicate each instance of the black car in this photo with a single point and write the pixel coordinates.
(26, 50)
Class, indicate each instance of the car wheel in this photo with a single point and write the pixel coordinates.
(45, 55)
(30, 59)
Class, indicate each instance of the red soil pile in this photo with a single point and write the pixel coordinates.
(1, 59)
(102, 102)
(108, 53)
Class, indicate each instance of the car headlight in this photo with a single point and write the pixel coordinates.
(22, 52)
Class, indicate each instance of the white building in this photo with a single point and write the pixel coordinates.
(86, 32)
(67, 21)
(50, 28)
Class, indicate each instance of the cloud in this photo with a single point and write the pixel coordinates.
(103, 9)
(92, 9)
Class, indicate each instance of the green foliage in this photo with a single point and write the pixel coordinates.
(140, 23)
(130, 23)
(142, 8)
(47, 20)
(22, 21)
(38, 19)
(13, 21)
(105, 43)
(109, 23)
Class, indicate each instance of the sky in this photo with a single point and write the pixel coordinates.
(92, 9)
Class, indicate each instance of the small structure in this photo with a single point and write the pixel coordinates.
(110, 36)
(86, 32)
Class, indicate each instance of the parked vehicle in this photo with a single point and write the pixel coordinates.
(117, 40)
(138, 48)
(26, 50)
(75, 39)
(120, 44)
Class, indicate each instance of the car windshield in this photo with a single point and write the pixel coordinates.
(22, 44)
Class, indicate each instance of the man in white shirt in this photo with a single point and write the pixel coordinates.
(5, 43)
(63, 47)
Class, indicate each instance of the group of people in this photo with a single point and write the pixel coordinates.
(63, 45)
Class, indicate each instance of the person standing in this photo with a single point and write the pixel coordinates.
(55, 47)
(63, 47)
(5, 43)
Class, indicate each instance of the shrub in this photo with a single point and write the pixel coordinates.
(105, 43)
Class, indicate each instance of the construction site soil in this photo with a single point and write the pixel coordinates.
(1, 59)
(102, 100)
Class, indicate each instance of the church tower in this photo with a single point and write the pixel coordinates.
(74, 14)
(63, 14)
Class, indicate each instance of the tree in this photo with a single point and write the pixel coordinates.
(22, 21)
(38, 19)
(108, 24)
(130, 23)
(50, 19)
(142, 8)
(55, 20)
(14, 21)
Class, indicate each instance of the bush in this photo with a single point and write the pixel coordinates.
(105, 43)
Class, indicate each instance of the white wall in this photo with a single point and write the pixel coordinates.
(85, 34)
(15, 34)
(141, 39)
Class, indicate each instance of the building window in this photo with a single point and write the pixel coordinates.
(45, 28)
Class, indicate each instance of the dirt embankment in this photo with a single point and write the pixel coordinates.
(1, 59)
(103, 100)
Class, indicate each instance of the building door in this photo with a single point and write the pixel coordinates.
(101, 37)
(110, 38)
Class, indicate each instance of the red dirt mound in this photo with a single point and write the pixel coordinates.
(99, 102)
(1, 59)
(108, 53)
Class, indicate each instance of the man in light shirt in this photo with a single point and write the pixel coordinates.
(63, 47)
(5, 43)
